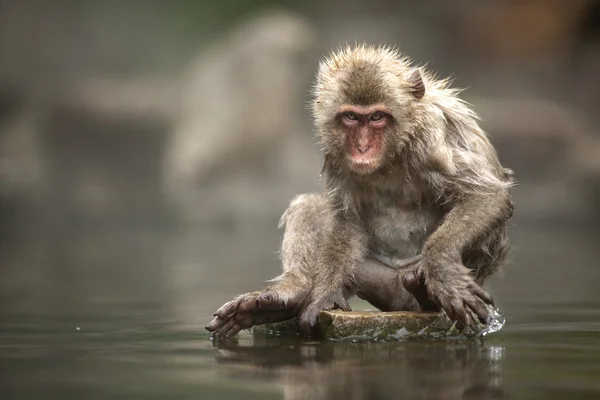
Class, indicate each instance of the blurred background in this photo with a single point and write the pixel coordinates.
(148, 148)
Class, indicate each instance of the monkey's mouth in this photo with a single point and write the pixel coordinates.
(364, 162)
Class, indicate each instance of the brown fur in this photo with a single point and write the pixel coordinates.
(440, 169)
(438, 191)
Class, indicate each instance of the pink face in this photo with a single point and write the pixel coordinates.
(365, 128)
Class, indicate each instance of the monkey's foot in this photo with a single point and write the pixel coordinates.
(256, 308)
(307, 319)
(413, 281)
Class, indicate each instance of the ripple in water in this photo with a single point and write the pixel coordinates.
(496, 321)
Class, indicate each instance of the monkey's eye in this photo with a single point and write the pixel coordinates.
(377, 116)
(350, 116)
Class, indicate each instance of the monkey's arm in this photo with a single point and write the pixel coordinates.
(343, 249)
(468, 220)
(449, 282)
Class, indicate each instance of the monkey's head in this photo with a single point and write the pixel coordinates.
(365, 100)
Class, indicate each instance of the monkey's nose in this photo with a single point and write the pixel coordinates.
(363, 149)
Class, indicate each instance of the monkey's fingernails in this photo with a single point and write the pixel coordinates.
(450, 313)
(478, 308)
(463, 316)
(213, 325)
(343, 305)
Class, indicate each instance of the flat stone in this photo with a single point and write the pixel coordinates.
(368, 325)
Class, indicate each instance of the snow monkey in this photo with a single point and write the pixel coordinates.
(416, 206)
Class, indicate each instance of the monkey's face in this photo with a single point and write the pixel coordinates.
(364, 131)
(364, 106)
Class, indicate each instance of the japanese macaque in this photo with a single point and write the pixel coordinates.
(416, 205)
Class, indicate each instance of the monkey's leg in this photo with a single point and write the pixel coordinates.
(377, 283)
(304, 222)
(247, 310)
(385, 288)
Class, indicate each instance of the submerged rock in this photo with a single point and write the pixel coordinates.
(375, 325)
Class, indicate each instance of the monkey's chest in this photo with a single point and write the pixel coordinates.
(400, 232)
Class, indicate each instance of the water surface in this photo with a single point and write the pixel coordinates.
(121, 315)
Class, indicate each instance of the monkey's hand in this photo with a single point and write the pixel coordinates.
(316, 302)
(451, 286)
(256, 308)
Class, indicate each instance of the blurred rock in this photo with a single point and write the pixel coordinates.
(552, 149)
(21, 162)
(241, 106)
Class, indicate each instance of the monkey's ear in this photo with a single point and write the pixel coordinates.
(417, 87)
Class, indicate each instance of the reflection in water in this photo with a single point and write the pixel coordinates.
(348, 370)
(142, 298)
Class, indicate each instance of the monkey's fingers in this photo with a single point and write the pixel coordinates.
(231, 326)
(450, 313)
(270, 300)
(341, 304)
(235, 328)
(462, 315)
(224, 328)
(307, 321)
(218, 324)
(247, 321)
(227, 309)
(215, 324)
(248, 304)
(482, 294)
(478, 308)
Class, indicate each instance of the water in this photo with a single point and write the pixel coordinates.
(120, 315)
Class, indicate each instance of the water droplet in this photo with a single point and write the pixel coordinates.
(496, 321)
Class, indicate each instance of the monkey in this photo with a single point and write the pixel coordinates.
(409, 175)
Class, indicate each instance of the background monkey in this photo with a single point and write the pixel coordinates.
(409, 175)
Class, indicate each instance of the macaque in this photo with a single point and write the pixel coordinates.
(416, 204)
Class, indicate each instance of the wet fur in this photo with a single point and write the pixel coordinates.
(440, 193)
(441, 188)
